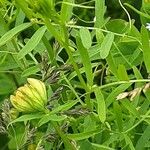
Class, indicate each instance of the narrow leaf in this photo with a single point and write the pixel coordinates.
(32, 43)
(111, 63)
(146, 48)
(99, 13)
(27, 117)
(101, 105)
(8, 36)
(106, 45)
(66, 10)
(130, 107)
(86, 61)
(122, 73)
(64, 107)
(113, 95)
(99, 36)
(84, 135)
(29, 71)
(138, 76)
(85, 38)
(48, 118)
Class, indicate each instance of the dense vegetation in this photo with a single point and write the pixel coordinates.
(74, 74)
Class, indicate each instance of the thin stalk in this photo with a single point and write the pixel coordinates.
(122, 82)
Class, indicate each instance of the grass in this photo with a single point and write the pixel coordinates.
(95, 66)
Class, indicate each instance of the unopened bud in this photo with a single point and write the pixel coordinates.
(30, 97)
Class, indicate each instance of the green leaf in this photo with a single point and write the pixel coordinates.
(27, 117)
(137, 73)
(146, 104)
(112, 96)
(146, 47)
(48, 118)
(118, 26)
(128, 105)
(138, 76)
(86, 61)
(66, 10)
(84, 135)
(9, 35)
(32, 43)
(99, 36)
(101, 105)
(85, 38)
(100, 9)
(106, 45)
(122, 73)
(64, 107)
(29, 71)
(118, 115)
(20, 17)
(111, 63)
(143, 139)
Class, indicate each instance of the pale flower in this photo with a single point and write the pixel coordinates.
(31, 97)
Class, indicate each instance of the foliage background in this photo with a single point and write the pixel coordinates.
(90, 62)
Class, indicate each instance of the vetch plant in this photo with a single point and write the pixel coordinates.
(93, 90)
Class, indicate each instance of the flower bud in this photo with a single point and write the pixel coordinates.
(31, 97)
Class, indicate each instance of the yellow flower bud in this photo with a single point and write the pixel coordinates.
(39, 86)
(30, 97)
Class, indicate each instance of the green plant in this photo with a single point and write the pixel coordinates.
(95, 69)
